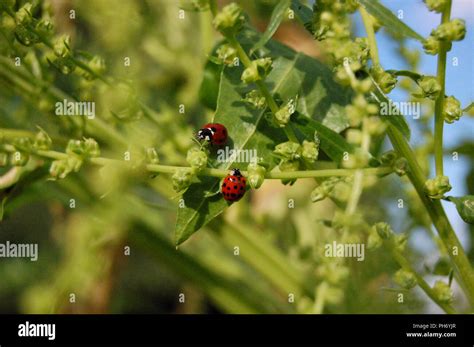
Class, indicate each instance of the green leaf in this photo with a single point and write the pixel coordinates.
(398, 121)
(304, 14)
(389, 20)
(465, 207)
(277, 16)
(442, 267)
(320, 99)
(469, 109)
(209, 88)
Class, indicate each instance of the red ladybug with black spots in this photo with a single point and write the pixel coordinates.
(233, 186)
(214, 133)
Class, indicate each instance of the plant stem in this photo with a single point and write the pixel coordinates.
(369, 27)
(261, 86)
(405, 265)
(320, 298)
(357, 185)
(219, 173)
(439, 103)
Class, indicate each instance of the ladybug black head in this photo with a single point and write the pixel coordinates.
(235, 172)
(205, 134)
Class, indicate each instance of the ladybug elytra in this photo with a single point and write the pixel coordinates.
(233, 186)
(214, 133)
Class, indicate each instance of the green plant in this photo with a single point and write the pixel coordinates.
(329, 131)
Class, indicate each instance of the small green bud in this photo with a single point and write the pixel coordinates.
(75, 147)
(405, 279)
(282, 116)
(45, 27)
(359, 109)
(362, 86)
(310, 151)
(197, 158)
(452, 110)
(91, 148)
(454, 30)
(388, 158)
(87, 148)
(435, 188)
(384, 230)
(64, 64)
(152, 156)
(431, 45)
(227, 54)
(323, 190)
(23, 144)
(375, 125)
(401, 242)
(385, 80)
(289, 166)
(42, 141)
(3, 159)
(256, 99)
(229, 20)
(430, 87)
(318, 194)
(58, 169)
(74, 163)
(182, 179)
(354, 136)
(200, 5)
(374, 240)
(465, 207)
(436, 5)
(443, 292)
(61, 168)
(62, 46)
(400, 166)
(257, 70)
(358, 159)
(25, 36)
(256, 175)
(23, 15)
(97, 64)
(288, 150)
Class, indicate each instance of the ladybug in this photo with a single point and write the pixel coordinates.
(214, 133)
(233, 186)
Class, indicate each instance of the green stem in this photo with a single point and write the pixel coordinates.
(261, 86)
(357, 185)
(320, 298)
(439, 104)
(405, 265)
(369, 27)
(219, 173)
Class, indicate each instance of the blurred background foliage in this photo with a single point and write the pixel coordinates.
(81, 249)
